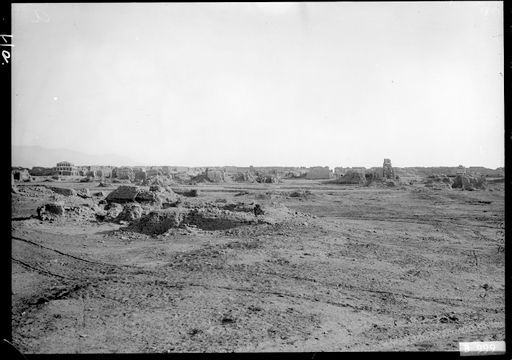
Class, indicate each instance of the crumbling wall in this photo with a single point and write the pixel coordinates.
(125, 173)
(387, 170)
(244, 177)
(466, 182)
(215, 175)
(318, 172)
(21, 175)
(352, 177)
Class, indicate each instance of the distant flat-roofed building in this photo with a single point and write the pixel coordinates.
(66, 168)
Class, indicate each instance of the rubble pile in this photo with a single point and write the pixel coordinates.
(159, 221)
(267, 179)
(113, 210)
(130, 212)
(439, 182)
(50, 211)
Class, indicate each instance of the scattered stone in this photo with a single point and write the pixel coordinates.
(63, 191)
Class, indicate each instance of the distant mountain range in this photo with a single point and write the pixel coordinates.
(30, 156)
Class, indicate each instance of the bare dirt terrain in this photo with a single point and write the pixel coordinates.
(325, 268)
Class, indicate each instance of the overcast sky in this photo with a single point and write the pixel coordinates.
(283, 84)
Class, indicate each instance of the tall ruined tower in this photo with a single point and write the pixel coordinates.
(387, 170)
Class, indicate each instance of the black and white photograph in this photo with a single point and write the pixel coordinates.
(284, 177)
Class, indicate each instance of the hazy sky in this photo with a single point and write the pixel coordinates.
(292, 84)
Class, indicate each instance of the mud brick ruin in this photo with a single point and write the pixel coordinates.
(318, 172)
(387, 170)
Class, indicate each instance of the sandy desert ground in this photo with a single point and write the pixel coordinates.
(326, 268)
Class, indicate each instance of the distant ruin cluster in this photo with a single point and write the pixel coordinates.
(451, 176)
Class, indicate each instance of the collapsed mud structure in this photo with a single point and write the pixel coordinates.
(209, 216)
(215, 175)
(318, 172)
(467, 182)
(50, 211)
(267, 178)
(352, 177)
(246, 177)
(123, 173)
(209, 176)
(20, 174)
